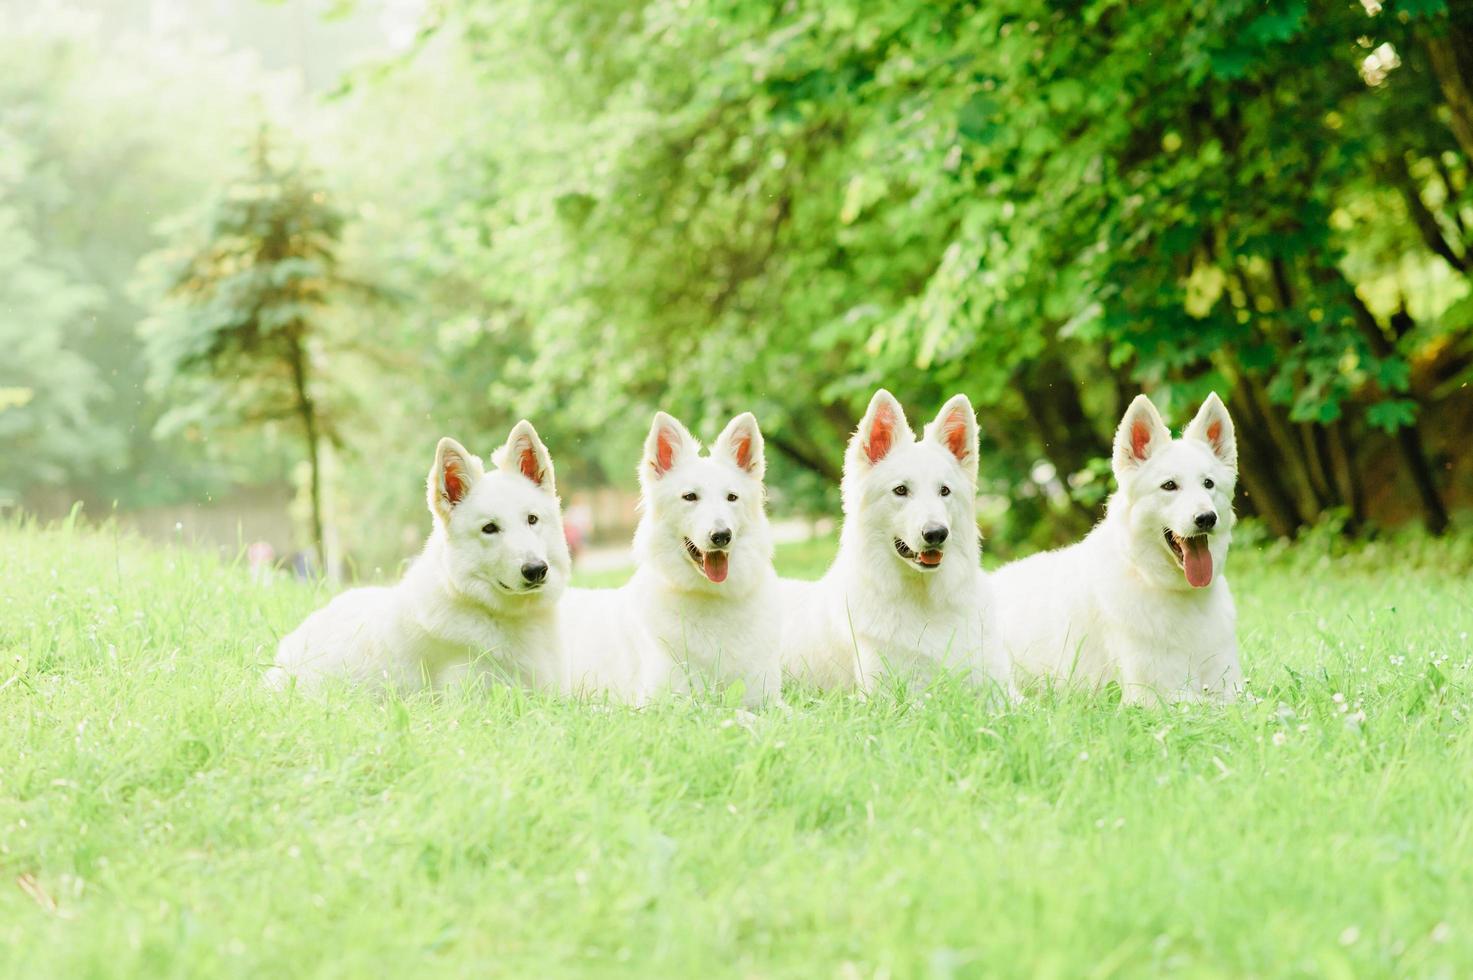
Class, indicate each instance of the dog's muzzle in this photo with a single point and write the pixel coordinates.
(927, 560)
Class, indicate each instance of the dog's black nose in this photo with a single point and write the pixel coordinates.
(934, 533)
(534, 571)
(1207, 521)
(721, 538)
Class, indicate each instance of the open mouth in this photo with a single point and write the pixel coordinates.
(711, 563)
(925, 560)
(1193, 555)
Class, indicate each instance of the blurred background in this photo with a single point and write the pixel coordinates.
(256, 257)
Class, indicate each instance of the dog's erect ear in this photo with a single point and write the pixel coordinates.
(665, 446)
(451, 478)
(1213, 426)
(955, 429)
(741, 442)
(1141, 433)
(882, 428)
(524, 453)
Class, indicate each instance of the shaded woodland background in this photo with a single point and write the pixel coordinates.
(256, 258)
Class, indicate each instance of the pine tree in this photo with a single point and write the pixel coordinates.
(244, 300)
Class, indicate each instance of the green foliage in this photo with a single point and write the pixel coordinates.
(1048, 208)
(49, 393)
(242, 294)
(243, 304)
(603, 208)
(101, 137)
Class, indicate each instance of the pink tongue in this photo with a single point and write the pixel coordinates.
(930, 557)
(715, 566)
(1198, 561)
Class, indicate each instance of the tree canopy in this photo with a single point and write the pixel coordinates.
(595, 209)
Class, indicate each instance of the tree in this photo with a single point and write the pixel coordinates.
(245, 303)
(49, 393)
(1046, 205)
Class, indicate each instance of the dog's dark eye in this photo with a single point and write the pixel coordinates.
(1169, 485)
(731, 497)
(692, 496)
(902, 490)
(1208, 483)
(531, 518)
(945, 491)
(490, 528)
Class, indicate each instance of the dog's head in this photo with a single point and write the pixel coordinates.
(914, 498)
(1177, 494)
(502, 527)
(704, 525)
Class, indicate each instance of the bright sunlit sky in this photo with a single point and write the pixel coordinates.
(317, 39)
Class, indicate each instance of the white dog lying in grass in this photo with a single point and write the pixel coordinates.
(905, 594)
(479, 601)
(1142, 600)
(701, 608)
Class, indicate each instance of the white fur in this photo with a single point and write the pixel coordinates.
(465, 607)
(876, 612)
(1117, 606)
(671, 627)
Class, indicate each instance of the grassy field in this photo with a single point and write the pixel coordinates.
(161, 815)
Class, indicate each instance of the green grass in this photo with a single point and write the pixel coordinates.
(161, 815)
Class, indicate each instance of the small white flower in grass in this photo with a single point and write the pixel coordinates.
(1349, 936)
(1280, 738)
(1338, 698)
(1084, 757)
(294, 852)
(1442, 932)
(1397, 661)
(1303, 729)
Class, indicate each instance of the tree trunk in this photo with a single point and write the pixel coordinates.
(307, 411)
(1409, 441)
(1354, 493)
(1395, 173)
(1289, 451)
(1317, 462)
(1457, 94)
(1262, 479)
(812, 461)
(1408, 437)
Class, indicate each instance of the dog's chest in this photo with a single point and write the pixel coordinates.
(902, 628)
(709, 632)
(1161, 625)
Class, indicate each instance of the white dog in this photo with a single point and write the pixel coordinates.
(480, 601)
(906, 593)
(701, 608)
(1142, 600)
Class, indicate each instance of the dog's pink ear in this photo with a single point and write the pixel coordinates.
(451, 477)
(1214, 426)
(1141, 433)
(882, 428)
(741, 441)
(955, 428)
(666, 445)
(525, 453)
